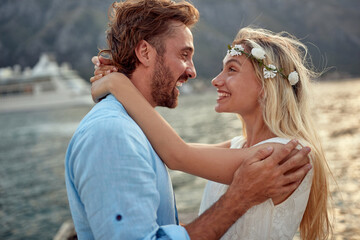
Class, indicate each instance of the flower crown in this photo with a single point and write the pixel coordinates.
(258, 54)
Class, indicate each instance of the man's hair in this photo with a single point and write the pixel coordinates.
(149, 20)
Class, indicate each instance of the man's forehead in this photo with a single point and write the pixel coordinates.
(181, 36)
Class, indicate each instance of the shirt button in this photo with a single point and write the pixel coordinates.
(118, 217)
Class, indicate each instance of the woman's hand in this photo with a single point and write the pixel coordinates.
(100, 85)
(103, 66)
(100, 88)
(115, 83)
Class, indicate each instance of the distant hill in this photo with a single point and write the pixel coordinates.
(74, 29)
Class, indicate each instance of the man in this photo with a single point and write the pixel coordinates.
(118, 188)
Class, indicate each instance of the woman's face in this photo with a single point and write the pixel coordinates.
(238, 87)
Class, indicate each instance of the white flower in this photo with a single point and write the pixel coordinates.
(293, 78)
(233, 52)
(270, 73)
(236, 50)
(239, 47)
(272, 67)
(258, 53)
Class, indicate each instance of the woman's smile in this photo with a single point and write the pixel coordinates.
(222, 95)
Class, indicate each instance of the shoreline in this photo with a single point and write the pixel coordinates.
(10, 104)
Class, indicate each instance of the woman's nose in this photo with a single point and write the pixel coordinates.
(217, 81)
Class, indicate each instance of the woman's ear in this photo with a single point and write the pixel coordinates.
(145, 53)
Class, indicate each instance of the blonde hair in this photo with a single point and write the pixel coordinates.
(286, 111)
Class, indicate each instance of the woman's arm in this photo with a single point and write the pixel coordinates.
(213, 163)
(226, 144)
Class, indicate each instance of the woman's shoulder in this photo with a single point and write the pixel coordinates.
(237, 142)
(281, 140)
(275, 140)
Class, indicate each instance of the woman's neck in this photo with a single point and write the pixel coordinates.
(256, 131)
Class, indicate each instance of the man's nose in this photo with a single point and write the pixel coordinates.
(191, 71)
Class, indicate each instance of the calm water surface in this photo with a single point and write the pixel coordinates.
(33, 201)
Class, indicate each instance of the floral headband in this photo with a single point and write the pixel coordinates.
(258, 54)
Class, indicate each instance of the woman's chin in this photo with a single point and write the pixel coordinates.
(220, 109)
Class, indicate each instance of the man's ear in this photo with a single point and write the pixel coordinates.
(145, 53)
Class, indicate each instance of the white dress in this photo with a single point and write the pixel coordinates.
(263, 221)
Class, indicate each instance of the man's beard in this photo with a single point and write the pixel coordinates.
(163, 86)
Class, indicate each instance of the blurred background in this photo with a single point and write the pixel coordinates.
(74, 30)
(45, 52)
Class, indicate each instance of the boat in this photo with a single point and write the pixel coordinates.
(47, 85)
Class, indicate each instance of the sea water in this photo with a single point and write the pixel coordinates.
(33, 201)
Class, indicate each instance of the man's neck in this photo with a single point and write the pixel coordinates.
(142, 81)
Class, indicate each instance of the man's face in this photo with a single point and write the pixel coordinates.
(174, 67)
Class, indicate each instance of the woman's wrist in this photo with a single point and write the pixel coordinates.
(114, 82)
(109, 86)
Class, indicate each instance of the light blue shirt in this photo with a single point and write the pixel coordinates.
(117, 186)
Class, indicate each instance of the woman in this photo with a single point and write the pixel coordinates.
(265, 81)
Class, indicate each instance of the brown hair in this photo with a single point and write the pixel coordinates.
(149, 20)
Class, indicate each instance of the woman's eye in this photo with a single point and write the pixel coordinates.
(231, 69)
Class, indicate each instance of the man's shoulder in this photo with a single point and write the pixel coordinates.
(108, 125)
(109, 118)
(108, 114)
